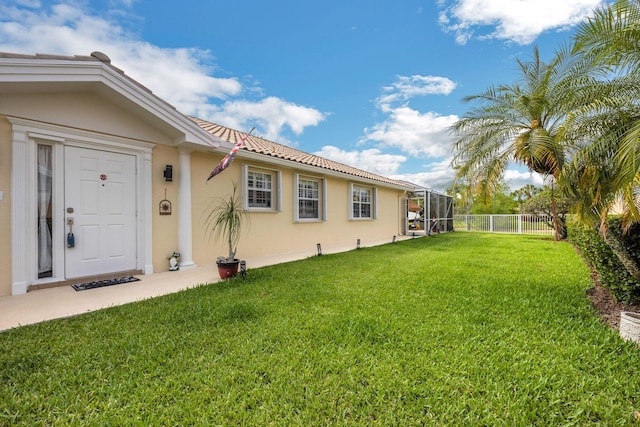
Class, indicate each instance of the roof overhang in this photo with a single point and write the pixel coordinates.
(46, 74)
(315, 170)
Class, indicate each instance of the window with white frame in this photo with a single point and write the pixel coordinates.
(261, 189)
(363, 202)
(310, 199)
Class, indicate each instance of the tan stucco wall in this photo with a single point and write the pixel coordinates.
(165, 227)
(276, 233)
(5, 206)
(81, 110)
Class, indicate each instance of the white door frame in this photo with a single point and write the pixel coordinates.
(27, 134)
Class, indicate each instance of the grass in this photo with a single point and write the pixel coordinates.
(456, 329)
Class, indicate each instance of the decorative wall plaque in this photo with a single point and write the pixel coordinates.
(165, 205)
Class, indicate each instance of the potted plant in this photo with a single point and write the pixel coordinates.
(225, 221)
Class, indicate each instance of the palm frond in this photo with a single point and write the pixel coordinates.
(225, 219)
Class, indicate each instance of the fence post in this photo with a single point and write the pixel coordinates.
(491, 223)
(520, 224)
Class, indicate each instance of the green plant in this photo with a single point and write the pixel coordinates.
(602, 257)
(474, 329)
(225, 220)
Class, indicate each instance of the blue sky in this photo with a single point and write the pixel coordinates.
(374, 84)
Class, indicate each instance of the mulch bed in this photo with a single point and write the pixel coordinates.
(603, 302)
(607, 307)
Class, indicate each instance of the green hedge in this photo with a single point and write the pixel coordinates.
(611, 271)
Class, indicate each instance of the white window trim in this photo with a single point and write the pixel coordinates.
(27, 134)
(322, 209)
(374, 202)
(276, 189)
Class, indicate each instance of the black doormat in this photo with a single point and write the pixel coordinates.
(103, 283)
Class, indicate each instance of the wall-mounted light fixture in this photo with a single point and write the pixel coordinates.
(168, 173)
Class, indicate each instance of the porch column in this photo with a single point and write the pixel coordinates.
(185, 239)
(23, 260)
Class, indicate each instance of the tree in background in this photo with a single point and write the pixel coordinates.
(521, 123)
(462, 195)
(540, 204)
(502, 202)
(523, 194)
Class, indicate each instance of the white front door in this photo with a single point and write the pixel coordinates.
(100, 199)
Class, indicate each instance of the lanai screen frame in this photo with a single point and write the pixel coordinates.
(437, 214)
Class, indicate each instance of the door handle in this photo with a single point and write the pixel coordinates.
(71, 240)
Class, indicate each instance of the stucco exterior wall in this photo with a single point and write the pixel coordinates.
(5, 206)
(276, 233)
(203, 194)
(81, 110)
(165, 227)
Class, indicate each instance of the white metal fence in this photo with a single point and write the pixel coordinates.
(511, 224)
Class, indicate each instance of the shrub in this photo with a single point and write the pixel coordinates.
(601, 257)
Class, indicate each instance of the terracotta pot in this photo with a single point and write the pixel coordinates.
(630, 326)
(228, 269)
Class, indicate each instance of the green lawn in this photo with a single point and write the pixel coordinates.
(455, 329)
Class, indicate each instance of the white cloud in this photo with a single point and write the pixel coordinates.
(436, 176)
(419, 135)
(439, 175)
(181, 76)
(518, 21)
(372, 160)
(405, 88)
(516, 179)
(415, 133)
(271, 115)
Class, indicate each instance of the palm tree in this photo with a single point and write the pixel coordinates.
(462, 197)
(607, 169)
(519, 123)
(520, 195)
(531, 190)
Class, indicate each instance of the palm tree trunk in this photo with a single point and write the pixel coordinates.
(554, 213)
